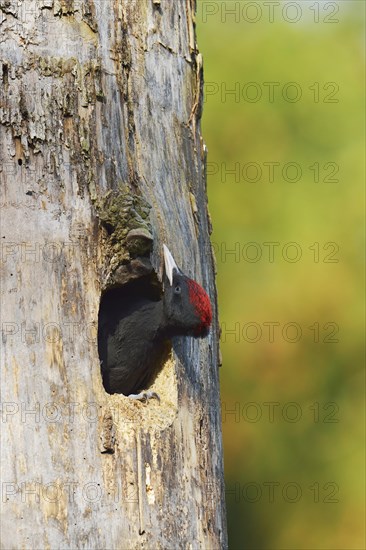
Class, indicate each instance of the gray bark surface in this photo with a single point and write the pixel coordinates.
(97, 97)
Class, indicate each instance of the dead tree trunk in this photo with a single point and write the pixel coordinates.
(102, 161)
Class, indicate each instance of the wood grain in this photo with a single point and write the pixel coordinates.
(95, 94)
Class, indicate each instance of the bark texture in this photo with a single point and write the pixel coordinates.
(102, 161)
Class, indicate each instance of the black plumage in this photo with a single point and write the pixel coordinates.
(136, 325)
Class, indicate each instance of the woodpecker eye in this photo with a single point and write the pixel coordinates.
(177, 290)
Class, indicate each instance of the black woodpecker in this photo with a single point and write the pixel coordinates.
(134, 332)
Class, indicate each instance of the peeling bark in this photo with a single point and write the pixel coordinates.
(101, 161)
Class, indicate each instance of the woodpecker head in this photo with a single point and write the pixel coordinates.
(186, 305)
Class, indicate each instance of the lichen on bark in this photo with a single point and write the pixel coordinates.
(127, 236)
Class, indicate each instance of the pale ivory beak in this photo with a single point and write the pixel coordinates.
(170, 264)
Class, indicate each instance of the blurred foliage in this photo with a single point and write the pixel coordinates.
(322, 451)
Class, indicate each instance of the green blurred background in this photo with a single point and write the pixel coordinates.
(294, 443)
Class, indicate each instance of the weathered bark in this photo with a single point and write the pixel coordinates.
(98, 97)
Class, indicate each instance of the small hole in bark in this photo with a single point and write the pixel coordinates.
(107, 452)
(130, 357)
(5, 73)
(20, 162)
